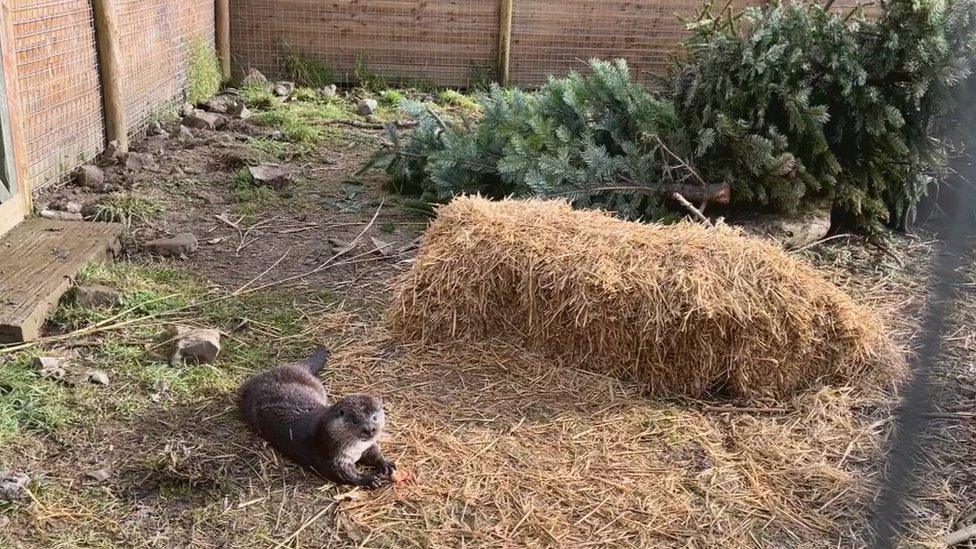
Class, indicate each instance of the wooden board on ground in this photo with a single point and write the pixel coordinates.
(39, 260)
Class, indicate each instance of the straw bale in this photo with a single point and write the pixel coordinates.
(682, 309)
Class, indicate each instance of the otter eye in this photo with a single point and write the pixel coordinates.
(342, 413)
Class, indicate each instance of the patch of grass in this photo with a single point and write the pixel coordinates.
(257, 96)
(304, 94)
(306, 71)
(252, 198)
(295, 127)
(204, 71)
(279, 150)
(127, 208)
(453, 98)
(29, 403)
(391, 98)
(368, 79)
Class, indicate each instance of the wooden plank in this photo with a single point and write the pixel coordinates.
(110, 71)
(39, 260)
(504, 40)
(222, 24)
(14, 158)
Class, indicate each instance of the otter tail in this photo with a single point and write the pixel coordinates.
(317, 361)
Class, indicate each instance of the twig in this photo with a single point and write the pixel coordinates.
(690, 207)
(746, 409)
(401, 124)
(963, 534)
(821, 241)
(681, 161)
(308, 523)
(266, 271)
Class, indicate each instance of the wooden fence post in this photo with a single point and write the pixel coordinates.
(504, 40)
(11, 125)
(110, 71)
(222, 23)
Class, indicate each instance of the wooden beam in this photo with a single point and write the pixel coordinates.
(110, 71)
(222, 22)
(504, 40)
(14, 151)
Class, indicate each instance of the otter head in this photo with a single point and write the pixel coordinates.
(357, 417)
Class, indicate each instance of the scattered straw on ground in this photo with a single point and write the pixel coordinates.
(683, 309)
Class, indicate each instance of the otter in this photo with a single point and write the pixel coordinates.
(289, 407)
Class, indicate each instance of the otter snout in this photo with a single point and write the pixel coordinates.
(370, 431)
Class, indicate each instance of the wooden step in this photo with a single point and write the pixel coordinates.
(39, 260)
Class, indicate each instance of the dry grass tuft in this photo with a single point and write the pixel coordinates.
(505, 449)
(682, 309)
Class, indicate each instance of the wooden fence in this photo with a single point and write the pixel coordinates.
(455, 42)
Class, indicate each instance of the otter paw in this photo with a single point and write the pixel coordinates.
(371, 482)
(386, 468)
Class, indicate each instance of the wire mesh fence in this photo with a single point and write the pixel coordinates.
(156, 38)
(455, 42)
(57, 74)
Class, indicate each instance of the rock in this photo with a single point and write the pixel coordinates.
(13, 486)
(382, 247)
(49, 367)
(98, 377)
(203, 120)
(99, 475)
(277, 135)
(162, 387)
(90, 176)
(184, 133)
(181, 244)
(73, 207)
(188, 344)
(791, 230)
(61, 216)
(271, 175)
(226, 104)
(367, 107)
(135, 162)
(96, 296)
(113, 151)
(284, 89)
(186, 109)
(156, 128)
(253, 78)
(329, 91)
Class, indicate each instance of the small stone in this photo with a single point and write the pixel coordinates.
(99, 475)
(61, 216)
(271, 175)
(135, 162)
(284, 89)
(156, 128)
(253, 78)
(98, 377)
(188, 344)
(329, 91)
(90, 176)
(202, 120)
(96, 296)
(383, 248)
(277, 135)
(13, 486)
(226, 104)
(113, 151)
(162, 387)
(180, 244)
(186, 109)
(184, 133)
(367, 107)
(49, 367)
(73, 207)
(214, 241)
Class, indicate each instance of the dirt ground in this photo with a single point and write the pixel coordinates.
(498, 447)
